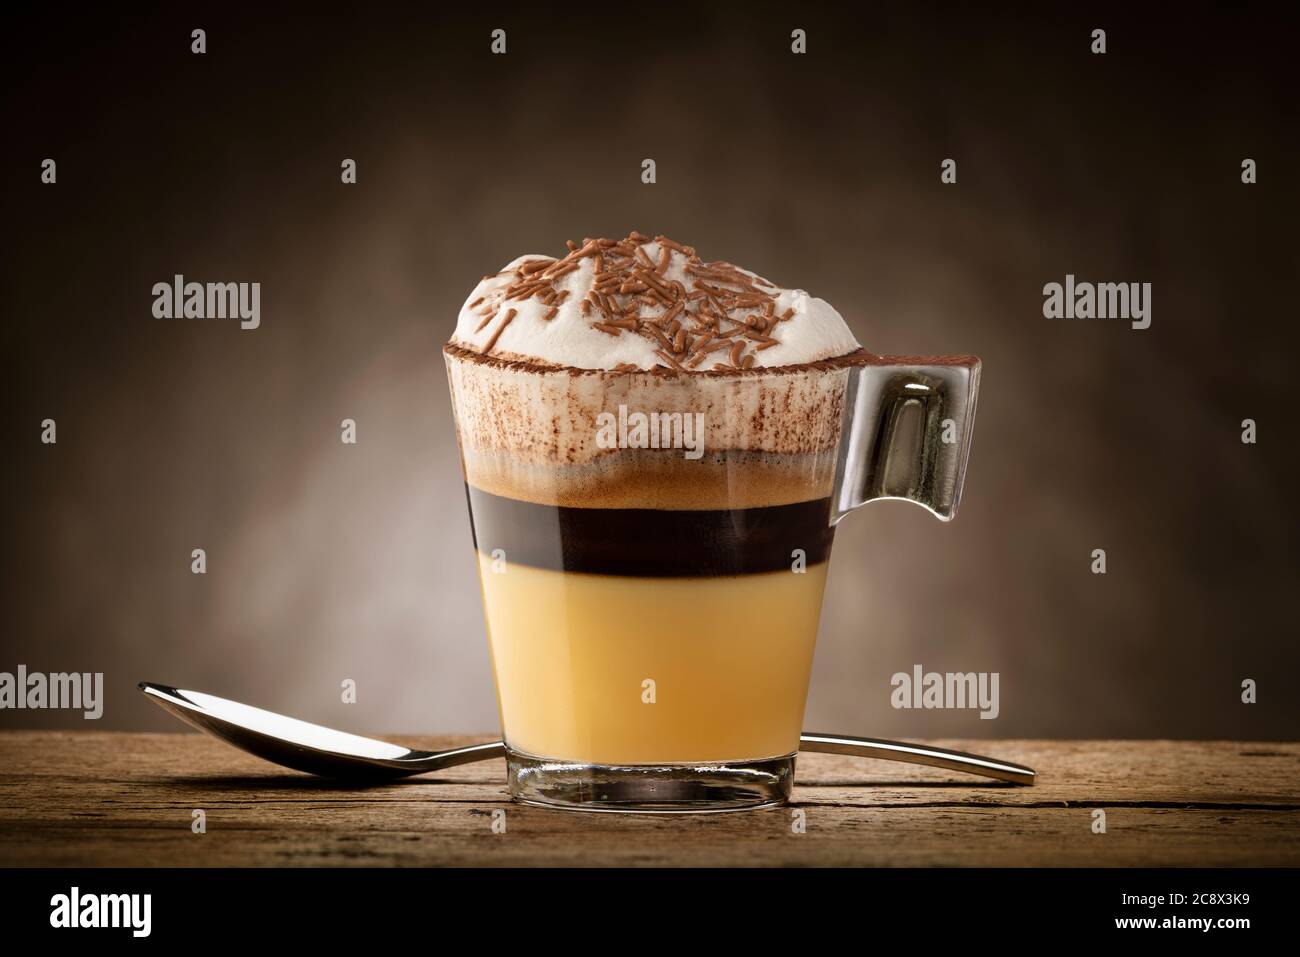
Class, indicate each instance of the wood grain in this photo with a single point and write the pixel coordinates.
(114, 799)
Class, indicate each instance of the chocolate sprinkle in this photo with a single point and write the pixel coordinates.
(500, 329)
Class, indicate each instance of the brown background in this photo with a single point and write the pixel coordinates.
(329, 562)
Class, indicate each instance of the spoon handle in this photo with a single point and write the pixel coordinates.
(834, 744)
(916, 754)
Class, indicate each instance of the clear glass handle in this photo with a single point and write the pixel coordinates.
(907, 433)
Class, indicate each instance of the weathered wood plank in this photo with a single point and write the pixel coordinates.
(109, 799)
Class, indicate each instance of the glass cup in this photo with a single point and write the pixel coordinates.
(652, 551)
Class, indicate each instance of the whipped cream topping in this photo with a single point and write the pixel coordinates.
(641, 303)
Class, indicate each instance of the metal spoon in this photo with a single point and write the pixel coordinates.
(337, 754)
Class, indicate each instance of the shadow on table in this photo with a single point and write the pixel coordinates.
(300, 782)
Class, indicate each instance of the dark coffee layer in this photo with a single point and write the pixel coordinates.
(648, 542)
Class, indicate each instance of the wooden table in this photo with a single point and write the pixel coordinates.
(112, 799)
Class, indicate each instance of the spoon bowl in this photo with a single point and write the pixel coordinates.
(304, 746)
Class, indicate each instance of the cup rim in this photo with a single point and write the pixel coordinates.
(516, 363)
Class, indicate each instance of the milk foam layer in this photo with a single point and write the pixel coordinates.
(813, 329)
(770, 437)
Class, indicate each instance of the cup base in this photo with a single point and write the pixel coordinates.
(650, 789)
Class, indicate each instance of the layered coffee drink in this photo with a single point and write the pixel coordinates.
(650, 444)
